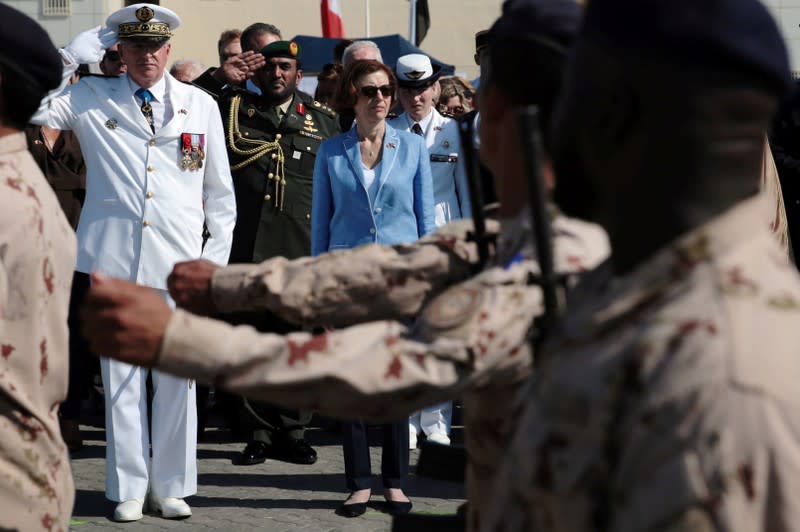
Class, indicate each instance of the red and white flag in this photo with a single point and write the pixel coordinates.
(331, 12)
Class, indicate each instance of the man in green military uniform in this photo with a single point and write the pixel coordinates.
(272, 141)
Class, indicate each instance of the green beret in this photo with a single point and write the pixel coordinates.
(288, 49)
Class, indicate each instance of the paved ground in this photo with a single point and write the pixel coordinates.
(271, 496)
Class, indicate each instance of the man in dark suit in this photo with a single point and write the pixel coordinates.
(272, 141)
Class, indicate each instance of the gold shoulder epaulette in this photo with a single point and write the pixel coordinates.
(323, 109)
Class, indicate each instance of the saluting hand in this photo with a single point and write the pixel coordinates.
(189, 285)
(125, 321)
(240, 67)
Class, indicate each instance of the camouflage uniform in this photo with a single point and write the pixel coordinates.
(473, 337)
(668, 398)
(37, 257)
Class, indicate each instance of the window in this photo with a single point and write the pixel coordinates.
(56, 8)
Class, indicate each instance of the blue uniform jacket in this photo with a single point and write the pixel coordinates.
(341, 214)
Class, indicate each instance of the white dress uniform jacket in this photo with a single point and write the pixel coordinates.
(143, 212)
(450, 187)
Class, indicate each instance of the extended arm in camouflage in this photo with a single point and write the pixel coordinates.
(367, 283)
(473, 333)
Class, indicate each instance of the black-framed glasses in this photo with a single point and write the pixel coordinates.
(370, 91)
(112, 55)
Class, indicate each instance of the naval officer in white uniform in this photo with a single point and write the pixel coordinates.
(418, 82)
(157, 171)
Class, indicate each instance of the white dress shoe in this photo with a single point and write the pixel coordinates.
(412, 440)
(440, 438)
(171, 507)
(129, 510)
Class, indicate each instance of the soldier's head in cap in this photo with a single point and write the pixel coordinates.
(680, 96)
(144, 31)
(30, 67)
(282, 72)
(418, 84)
(527, 53)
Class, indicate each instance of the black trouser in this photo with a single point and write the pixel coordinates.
(82, 361)
(394, 455)
(257, 420)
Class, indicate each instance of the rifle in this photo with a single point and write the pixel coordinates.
(472, 167)
(531, 145)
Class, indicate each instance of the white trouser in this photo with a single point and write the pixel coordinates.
(172, 471)
(432, 419)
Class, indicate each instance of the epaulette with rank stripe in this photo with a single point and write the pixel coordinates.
(323, 108)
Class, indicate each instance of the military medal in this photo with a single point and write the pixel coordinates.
(192, 151)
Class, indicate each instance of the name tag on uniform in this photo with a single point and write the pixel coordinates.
(439, 158)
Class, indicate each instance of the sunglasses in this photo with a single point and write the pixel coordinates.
(112, 55)
(370, 91)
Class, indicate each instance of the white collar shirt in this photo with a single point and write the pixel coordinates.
(162, 107)
(425, 123)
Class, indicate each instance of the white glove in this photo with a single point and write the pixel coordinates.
(90, 46)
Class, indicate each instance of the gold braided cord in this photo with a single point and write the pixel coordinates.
(260, 148)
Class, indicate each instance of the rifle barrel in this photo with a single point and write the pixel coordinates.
(531, 145)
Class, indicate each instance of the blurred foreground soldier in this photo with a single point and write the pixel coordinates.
(157, 172)
(667, 399)
(37, 256)
(472, 339)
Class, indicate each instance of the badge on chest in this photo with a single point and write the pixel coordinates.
(193, 153)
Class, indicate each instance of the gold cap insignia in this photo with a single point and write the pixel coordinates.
(144, 14)
(293, 48)
(415, 74)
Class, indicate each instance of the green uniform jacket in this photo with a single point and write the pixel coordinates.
(274, 214)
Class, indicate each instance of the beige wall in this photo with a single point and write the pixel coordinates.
(450, 37)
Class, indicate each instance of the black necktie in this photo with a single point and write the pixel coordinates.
(417, 129)
(147, 110)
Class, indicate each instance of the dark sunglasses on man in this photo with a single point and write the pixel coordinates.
(370, 91)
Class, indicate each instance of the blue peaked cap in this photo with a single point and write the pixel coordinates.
(727, 35)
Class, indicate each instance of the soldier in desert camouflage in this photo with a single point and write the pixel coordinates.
(667, 399)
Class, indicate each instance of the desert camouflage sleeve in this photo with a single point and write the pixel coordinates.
(368, 283)
(473, 332)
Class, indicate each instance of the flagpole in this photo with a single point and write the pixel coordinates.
(412, 22)
(366, 17)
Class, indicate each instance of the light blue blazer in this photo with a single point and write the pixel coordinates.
(341, 214)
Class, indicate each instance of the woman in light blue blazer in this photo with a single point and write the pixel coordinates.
(371, 184)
